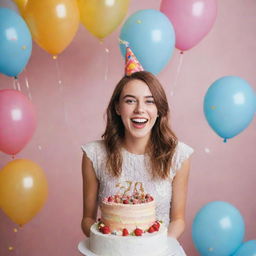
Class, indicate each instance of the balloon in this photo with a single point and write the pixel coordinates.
(151, 37)
(23, 190)
(192, 20)
(15, 43)
(21, 4)
(17, 121)
(9, 4)
(101, 17)
(218, 229)
(229, 106)
(247, 249)
(53, 23)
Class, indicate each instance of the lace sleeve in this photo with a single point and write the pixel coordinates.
(182, 153)
(90, 150)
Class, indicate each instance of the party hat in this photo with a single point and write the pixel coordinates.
(132, 64)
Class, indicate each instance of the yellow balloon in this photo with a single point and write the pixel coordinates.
(23, 190)
(101, 17)
(53, 23)
(21, 4)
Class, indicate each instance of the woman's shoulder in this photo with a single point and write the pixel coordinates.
(183, 148)
(182, 152)
(95, 146)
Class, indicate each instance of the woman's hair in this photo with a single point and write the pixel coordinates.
(163, 141)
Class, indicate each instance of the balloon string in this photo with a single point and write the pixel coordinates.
(61, 87)
(16, 84)
(58, 72)
(106, 69)
(27, 85)
(28, 89)
(177, 73)
(106, 60)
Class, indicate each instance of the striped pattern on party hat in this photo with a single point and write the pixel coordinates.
(132, 65)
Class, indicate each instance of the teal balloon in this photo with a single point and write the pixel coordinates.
(15, 43)
(151, 37)
(229, 106)
(247, 249)
(218, 229)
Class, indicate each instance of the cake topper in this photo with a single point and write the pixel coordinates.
(125, 188)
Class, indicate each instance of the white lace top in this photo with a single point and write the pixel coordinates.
(136, 168)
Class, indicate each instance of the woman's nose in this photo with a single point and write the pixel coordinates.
(139, 108)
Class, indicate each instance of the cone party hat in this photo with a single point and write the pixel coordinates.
(132, 64)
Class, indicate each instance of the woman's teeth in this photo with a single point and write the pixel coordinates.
(139, 120)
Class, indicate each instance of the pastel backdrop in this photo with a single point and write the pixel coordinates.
(70, 95)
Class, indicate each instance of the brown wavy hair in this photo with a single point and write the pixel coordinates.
(163, 141)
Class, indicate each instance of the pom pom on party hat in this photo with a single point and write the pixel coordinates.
(132, 64)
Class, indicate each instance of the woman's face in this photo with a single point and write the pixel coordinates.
(137, 109)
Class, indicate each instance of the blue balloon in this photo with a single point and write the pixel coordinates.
(218, 229)
(247, 249)
(15, 42)
(151, 37)
(229, 106)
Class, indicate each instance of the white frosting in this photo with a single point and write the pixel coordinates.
(150, 244)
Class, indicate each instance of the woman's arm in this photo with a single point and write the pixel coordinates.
(178, 203)
(90, 193)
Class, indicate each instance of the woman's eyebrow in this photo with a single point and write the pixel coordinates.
(132, 96)
(129, 96)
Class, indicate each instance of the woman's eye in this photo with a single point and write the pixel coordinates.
(150, 102)
(130, 101)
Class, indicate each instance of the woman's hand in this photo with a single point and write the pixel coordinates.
(90, 194)
(178, 203)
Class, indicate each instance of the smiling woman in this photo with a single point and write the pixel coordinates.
(138, 146)
(130, 100)
(138, 111)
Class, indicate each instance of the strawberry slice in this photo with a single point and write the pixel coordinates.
(157, 224)
(125, 232)
(138, 232)
(155, 227)
(105, 230)
(151, 230)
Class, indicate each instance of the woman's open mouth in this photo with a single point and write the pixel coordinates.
(139, 123)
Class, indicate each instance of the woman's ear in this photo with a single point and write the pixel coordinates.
(117, 109)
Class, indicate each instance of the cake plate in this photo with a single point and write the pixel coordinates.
(174, 245)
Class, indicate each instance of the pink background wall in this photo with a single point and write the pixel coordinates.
(72, 114)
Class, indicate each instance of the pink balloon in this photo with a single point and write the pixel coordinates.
(192, 20)
(17, 121)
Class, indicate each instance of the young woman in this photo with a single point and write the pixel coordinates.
(139, 146)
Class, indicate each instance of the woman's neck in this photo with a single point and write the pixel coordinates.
(135, 145)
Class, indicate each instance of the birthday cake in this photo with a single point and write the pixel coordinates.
(128, 226)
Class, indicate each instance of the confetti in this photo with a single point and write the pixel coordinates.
(207, 150)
